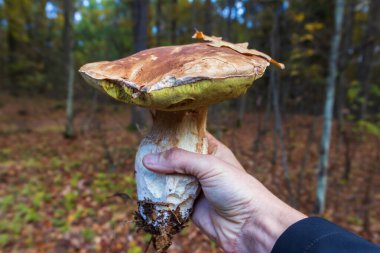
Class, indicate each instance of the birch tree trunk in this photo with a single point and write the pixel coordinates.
(68, 41)
(328, 109)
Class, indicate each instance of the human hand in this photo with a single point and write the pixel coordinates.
(234, 209)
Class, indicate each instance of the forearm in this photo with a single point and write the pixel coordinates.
(261, 231)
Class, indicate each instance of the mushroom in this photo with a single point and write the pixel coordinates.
(177, 83)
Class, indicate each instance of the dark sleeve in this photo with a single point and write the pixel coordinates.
(316, 235)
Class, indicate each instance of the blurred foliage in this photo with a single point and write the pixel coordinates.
(31, 40)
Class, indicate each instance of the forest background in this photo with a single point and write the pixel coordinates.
(310, 133)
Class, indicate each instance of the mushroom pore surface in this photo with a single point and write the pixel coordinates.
(184, 97)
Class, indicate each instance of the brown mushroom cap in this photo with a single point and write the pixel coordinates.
(177, 77)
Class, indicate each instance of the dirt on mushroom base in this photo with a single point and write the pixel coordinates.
(161, 224)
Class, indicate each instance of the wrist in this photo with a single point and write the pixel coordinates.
(261, 231)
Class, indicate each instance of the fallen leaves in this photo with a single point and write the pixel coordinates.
(55, 194)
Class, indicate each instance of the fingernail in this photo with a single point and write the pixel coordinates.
(151, 159)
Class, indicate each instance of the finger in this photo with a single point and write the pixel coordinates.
(181, 161)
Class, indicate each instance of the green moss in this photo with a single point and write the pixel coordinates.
(4, 239)
(28, 214)
(6, 201)
(182, 97)
(88, 234)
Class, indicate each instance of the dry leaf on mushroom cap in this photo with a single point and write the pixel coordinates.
(239, 47)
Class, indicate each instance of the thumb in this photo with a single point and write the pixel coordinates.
(180, 161)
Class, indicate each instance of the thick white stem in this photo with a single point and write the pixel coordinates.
(166, 201)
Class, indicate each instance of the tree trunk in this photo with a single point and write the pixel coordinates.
(262, 127)
(242, 104)
(140, 26)
(68, 42)
(207, 27)
(347, 155)
(365, 70)
(158, 22)
(257, 145)
(140, 34)
(274, 87)
(227, 32)
(15, 27)
(12, 47)
(343, 63)
(173, 22)
(194, 14)
(274, 81)
(328, 110)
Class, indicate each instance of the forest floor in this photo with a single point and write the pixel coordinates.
(56, 195)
